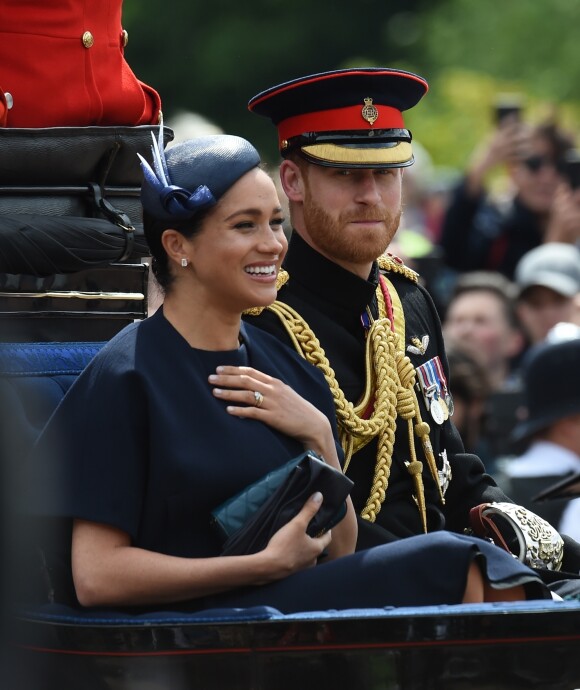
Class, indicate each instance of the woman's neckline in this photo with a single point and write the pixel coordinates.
(241, 338)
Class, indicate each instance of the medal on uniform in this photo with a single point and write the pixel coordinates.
(433, 385)
(446, 398)
(436, 410)
(450, 405)
(444, 473)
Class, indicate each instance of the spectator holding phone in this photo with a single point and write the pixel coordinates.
(564, 224)
(479, 233)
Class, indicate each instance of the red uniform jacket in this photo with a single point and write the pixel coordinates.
(62, 63)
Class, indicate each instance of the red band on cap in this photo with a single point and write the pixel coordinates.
(340, 119)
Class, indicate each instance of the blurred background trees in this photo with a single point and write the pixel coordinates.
(211, 57)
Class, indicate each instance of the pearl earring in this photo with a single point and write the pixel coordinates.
(184, 262)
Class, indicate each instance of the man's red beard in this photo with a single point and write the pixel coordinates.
(354, 246)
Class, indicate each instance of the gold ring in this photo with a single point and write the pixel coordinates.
(259, 399)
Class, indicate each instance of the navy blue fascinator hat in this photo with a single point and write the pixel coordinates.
(193, 175)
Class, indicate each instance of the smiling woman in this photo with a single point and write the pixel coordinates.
(236, 256)
(185, 409)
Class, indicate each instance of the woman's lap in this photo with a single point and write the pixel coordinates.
(418, 571)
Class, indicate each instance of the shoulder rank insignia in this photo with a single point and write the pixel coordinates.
(418, 345)
(394, 264)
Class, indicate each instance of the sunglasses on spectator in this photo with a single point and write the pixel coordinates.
(535, 163)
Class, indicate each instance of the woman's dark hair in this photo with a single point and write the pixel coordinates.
(154, 228)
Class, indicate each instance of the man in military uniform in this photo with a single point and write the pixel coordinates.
(360, 314)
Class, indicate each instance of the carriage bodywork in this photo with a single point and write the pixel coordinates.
(52, 325)
(480, 647)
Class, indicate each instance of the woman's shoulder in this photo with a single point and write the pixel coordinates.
(119, 357)
(118, 349)
(138, 337)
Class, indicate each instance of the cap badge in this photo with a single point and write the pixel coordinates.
(369, 112)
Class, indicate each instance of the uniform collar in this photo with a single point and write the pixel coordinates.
(326, 280)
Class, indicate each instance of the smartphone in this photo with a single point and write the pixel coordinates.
(508, 104)
(571, 168)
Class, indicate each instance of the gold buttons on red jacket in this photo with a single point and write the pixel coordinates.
(88, 40)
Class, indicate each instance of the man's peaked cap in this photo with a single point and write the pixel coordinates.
(345, 118)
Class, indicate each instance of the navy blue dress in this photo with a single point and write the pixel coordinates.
(140, 443)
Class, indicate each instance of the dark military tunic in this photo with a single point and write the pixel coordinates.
(331, 300)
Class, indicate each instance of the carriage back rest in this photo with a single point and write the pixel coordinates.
(34, 377)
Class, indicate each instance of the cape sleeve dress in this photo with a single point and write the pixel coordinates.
(139, 442)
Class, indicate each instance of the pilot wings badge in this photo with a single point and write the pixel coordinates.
(418, 345)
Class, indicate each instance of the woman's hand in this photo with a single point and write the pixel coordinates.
(283, 409)
(507, 145)
(109, 571)
(255, 395)
(291, 549)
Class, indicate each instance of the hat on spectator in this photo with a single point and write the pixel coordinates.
(555, 265)
(345, 118)
(550, 375)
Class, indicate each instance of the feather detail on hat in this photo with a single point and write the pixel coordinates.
(175, 201)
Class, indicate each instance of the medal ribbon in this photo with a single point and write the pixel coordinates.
(442, 377)
(428, 380)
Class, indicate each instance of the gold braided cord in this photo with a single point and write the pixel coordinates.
(409, 409)
(356, 431)
(380, 344)
(382, 340)
(408, 404)
(389, 389)
(392, 264)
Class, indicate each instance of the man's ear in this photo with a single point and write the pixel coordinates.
(292, 180)
(174, 244)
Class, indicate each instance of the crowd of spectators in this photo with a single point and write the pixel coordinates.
(502, 263)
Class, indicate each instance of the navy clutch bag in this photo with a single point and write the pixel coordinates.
(248, 520)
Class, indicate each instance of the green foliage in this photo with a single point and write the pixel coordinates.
(211, 58)
(476, 50)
